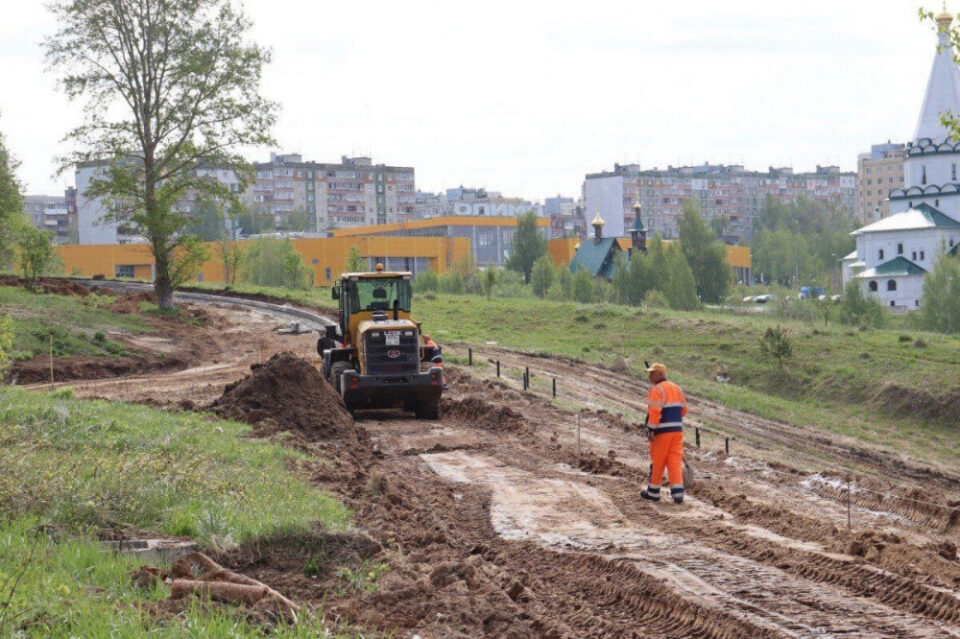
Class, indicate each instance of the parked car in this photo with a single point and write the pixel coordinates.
(762, 299)
(748, 299)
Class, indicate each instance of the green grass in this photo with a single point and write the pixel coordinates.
(85, 464)
(72, 588)
(829, 382)
(79, 466)
(77, 325)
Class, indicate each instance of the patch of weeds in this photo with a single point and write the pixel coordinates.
(904, 338)
(364, 579)
(920, 343)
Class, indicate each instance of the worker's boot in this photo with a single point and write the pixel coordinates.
(677, 493)
(650, 493)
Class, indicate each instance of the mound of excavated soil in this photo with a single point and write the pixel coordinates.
(48, 285)
(286, 393)
(906, 400)
(484, 414)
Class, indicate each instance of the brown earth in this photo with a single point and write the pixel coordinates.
(505, 519)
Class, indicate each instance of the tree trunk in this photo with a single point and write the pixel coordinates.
(161, 283)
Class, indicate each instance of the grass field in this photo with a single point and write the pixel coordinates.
(80, 466)
(889, 387)
(78, 325)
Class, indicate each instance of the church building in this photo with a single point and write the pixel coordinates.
(894, 254)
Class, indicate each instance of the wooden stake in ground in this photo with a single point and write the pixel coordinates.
(849, 520)
(51, 359)
(578, 436)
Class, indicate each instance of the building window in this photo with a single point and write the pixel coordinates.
(892, 303)
(953, 171)
(873, 286)
(900, 249)
(124, 270)
(936, 202)
(881, 254)
(922, 256)
(923, 176)
(327, 273)
(891, 285)
(914, 256)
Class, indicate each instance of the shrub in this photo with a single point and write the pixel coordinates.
(6, 344)
(583, 287)
(510, 284)
(655, 299)
(272, 262)
(427, 281)
(941, 297)
(776, 344)
(542, 275)
(858, 310)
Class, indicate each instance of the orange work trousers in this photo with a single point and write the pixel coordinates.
(666, 450)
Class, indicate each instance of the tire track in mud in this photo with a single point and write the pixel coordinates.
(778, 591)
(614, 388)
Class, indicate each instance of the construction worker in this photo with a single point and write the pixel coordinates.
(666, 406)
(436, 355)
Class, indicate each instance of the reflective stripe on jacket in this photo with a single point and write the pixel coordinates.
(436, 355)
(666, 406)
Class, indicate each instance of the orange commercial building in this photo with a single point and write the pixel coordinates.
(326, 256)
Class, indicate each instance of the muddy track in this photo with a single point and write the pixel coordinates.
(504, 520)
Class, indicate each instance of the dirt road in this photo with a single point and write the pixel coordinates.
(502, 520)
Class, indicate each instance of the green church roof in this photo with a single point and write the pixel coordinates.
(637, 225)
(898, 266)
(596, 256)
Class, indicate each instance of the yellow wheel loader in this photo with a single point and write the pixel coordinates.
(373, 356)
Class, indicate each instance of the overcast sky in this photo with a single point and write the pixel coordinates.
(526, 97)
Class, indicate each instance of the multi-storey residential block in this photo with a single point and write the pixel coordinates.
(427, 205)
(878, 172)
(730, 194)
(463, 201)
(354, 192)
(53, 213)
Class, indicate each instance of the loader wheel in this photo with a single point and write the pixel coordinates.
(429, 409)
(336, 375)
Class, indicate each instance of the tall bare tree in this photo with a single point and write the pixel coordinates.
(169, 87)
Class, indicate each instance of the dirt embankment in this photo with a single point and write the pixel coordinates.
(286, 393)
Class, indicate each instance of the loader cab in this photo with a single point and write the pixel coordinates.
(361, 295)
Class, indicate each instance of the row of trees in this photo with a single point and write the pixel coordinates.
(801, 242)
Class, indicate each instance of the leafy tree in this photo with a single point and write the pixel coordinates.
(34, 253)
(296, 221)
(188, 259)
(11, 203)
(542, 275)
(680, 288)
(583, 286)
(489, 281)
(355, 263)
(254, 221)
(528, 246)
(426, 281)
(705, 254)
(941, 297)
(170, 86)
(859, 310)
(274, 262)
(6, 344)
(564, 280)
(776, 344)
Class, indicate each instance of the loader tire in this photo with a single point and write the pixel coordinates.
(429, 409)
(336, 375)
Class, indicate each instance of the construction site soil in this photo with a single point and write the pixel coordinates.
(515, 515)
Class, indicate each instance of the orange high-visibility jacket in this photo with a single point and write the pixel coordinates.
(666, 406)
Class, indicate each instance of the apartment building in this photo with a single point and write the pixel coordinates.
(56, 214)
(427, 205)
(354, 192)
(463, 201)
(878, 172)
(727, 193)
